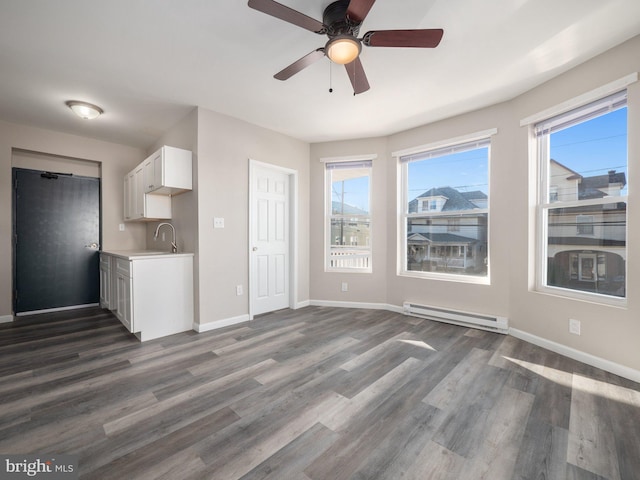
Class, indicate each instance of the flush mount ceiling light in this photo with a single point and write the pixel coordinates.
(85, 110)
(343, 49)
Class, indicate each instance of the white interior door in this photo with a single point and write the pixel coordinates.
(270, 260)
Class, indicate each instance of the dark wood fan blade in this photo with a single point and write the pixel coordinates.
(427, 38)
(298, 65)
(357, 76)
(358, 10)
(287, 14)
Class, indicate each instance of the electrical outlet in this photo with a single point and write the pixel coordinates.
(345, 287)
(218, 222)
(121, 227)
(238, 290)
(574, 326)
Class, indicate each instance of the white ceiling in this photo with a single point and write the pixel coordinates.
(147, 63)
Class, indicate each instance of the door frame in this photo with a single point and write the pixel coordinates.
(14, 315)
(293, 231)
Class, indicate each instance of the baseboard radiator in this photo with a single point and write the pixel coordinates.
(491, 323)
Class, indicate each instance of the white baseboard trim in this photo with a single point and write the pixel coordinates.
(226, 322)
(583, 357)
(302, 304)
(6, 318)
(370, 306)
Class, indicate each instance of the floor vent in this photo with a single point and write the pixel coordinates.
(491, 323)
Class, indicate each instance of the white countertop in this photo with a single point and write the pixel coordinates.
(138, 254)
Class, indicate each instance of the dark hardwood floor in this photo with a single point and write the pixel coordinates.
(313, 394)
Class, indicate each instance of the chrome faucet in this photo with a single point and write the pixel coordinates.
(174, 245)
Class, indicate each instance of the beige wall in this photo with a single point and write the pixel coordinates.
(184, 207)
(362, 287)
(609, 333)
(54, 163)
(492, 298)
(225, 146)
(115, 161)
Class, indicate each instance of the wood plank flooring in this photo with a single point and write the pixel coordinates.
(313, 394)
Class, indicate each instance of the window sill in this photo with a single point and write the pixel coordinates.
(586, 297)
(447, 277)
(347, 270)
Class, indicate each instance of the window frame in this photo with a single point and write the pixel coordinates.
(404, 215)
(545, 201)
(357, 162)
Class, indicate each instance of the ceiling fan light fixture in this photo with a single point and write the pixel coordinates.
(85, 110)
(343, 49)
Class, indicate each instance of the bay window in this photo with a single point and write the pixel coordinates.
(348, 215)
(445, 209)
(582, 207)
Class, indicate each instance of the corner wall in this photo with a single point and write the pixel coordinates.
(608, 333)
(225, 145)
(363, 287)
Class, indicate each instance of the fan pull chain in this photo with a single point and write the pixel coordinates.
(330, 77)
(355, 72)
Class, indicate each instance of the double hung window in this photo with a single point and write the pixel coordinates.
(445, 209)
(582, 207)
(348, 216)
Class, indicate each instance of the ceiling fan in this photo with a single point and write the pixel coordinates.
(341, 22)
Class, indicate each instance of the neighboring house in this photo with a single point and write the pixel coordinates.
(451, 237)
(586, 246)
(349, 231)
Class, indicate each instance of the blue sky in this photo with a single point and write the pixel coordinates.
(594, 147)
(355, 192)
(466, 172)
(590, 148)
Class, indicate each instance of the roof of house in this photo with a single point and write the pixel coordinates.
(475, 195)
(574, 175)
(439, 238)
(338, 208)
(603, 181)
(455, 199)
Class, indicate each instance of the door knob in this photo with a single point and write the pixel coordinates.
(92, 246)
(255, 249)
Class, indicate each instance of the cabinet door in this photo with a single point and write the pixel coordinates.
(153, 172)
(138, 193)
(147, 167)
(105, 285)
(158, 169)
(123, 300)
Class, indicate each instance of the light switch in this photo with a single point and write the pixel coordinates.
(121, 227)
(218, 222)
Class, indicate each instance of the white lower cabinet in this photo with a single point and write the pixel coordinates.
(105, 281)
(123, 294)
(153, 293)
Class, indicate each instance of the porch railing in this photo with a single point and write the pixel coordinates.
(349, 259)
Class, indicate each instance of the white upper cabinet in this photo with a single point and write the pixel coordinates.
(148, 188)
(140, 206)
(168, 171)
